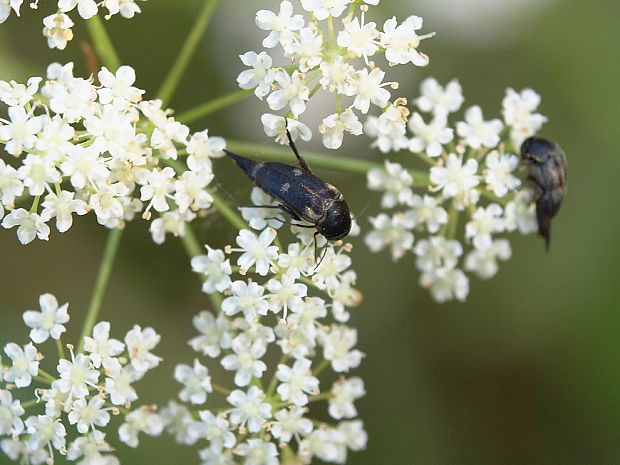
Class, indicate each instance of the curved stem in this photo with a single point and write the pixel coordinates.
(103, 276)
(171, 81)
(329, 161)
(200, 111)
(103, 44)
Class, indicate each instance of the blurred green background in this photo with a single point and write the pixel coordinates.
(526, 372)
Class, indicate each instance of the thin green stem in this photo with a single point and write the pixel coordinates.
(103, 276)
(29, 403)
(200, 111)
(227, 212)
(171, 81)
(220, 389)
(103, 44)
(274, 379)
(324, 364)
(329, 161)
(59, 348)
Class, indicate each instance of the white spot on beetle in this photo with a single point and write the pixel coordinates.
(297, 172)
(285, 187)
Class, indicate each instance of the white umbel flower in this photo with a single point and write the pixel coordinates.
(25, 364)
(498, 174)
(476, 131)
(49, 322)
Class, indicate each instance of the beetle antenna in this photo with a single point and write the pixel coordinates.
(301, 161)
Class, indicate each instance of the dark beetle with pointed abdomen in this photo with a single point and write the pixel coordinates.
(302, 195)
(546, 167)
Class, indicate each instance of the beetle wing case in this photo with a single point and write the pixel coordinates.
(305, 194)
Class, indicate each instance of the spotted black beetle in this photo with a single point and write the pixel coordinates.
(301, 194)
(546, 167)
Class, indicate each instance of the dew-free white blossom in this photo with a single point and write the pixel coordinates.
(260, 76)
(484, 261)
(249, 409)
(518, 109)
(334, 126)
(401, 41)
(429, 137)
(11, 411)
(498, 174)
(437, 252)
(280, 25)
(57, 29)
(484, 222)
(428, 212)
(49, 322)
(257, 251)
(196, 382)
(215, 268)
(344, 392)
(338, 346)
(139, 343)
(100, 346)
(476, 131)
(297, 382)
(88, 414)
(440, 100)
(24, 364)
(76, 376)
(394, 232)
(141, 420)
(446, 283)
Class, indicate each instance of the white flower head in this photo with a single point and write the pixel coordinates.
(257, 251)
(401, 41)
(196, 381)
(297, 382)
(446, 284)
(25, 364)
(333, 127)
(260, 76)
(518, 109)
(476, 131)
(498, 174)
(281, 25)
(275, 126)
(440, 100)
(344, 393)
(394, 232)
(215, 268)
(100, 346)
(139, 344)
(249, 409)
(141, 420)
(49, 322)
(76, 376)
(429, 137)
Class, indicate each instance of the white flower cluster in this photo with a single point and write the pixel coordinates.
(283, 307)
(473, 172)
(321, 57)
(79, 147)
(79, 400)
(57, 26)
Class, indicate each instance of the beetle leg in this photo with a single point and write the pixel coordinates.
(301, 161)
(280, 206)
(315, 252)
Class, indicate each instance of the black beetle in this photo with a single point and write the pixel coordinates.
(546, 168)
(301, 194)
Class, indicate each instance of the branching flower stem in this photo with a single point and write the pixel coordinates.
(171, 81)
(103, 276)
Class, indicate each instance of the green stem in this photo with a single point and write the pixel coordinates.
(329, 161)
(59, 349)
(103, 44)
(103, 276)
(200, 111)
(274, 379)
(324, 364)
(227, 212)
(220, 389)
(29, 403)
(171, 81)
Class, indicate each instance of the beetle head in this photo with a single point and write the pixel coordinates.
(336, 222)
(537, 149)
